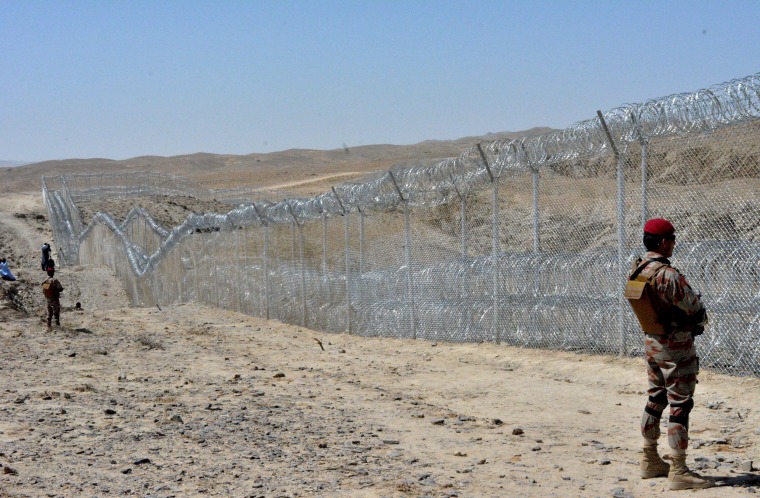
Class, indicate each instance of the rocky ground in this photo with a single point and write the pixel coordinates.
(193, 401)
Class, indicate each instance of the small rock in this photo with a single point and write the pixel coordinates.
(497, 421)
(9, 470)
(438, 421)
(621, 493)
(110, 411)
(177, 418)
(391, 441)
(279, 375)
(739, 442)
(517, 431)
(746, 466)
(605, 462)
(142, 461)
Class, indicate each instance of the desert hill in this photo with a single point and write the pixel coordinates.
(260, 170)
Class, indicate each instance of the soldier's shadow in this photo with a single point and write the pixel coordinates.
(746, 480)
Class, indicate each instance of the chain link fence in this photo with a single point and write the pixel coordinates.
(525, 242)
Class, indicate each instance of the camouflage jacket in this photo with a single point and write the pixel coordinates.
(680, 307)
(56, 288)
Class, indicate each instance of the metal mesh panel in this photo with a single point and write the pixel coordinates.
(525, 242)
(708, 184)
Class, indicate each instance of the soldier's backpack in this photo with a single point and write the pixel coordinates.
(48, 289)
(640, 294)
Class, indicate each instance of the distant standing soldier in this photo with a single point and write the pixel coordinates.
(45, 255)
(52, 289)
(671, 315)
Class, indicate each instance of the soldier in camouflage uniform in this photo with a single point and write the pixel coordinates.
(672, 362)
(52, 289)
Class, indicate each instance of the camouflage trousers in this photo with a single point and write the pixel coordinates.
(672, 368)
(54, 310)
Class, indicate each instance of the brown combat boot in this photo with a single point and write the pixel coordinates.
(652, 465)
(681, 477)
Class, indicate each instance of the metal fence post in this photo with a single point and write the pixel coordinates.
(303, 276)
(407, 257)
(620, 172)
(267, 290)
(495, 257)
(361, 242)
(217, 281)
(347, 255)
(266, 258)
(536, 234)
(246, 271)
(463, 227)
(238, 269)
(324, 244)
(301, 263)
(495, 331)
(644, 194)
(348, 272)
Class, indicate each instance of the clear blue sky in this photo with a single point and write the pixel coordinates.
(121, 79)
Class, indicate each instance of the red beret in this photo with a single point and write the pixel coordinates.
(659, 226)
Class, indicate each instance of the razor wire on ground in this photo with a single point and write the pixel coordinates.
(523, 242)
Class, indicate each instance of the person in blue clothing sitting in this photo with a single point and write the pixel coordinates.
(5, 272)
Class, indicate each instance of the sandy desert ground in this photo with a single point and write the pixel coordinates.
(194, 401)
